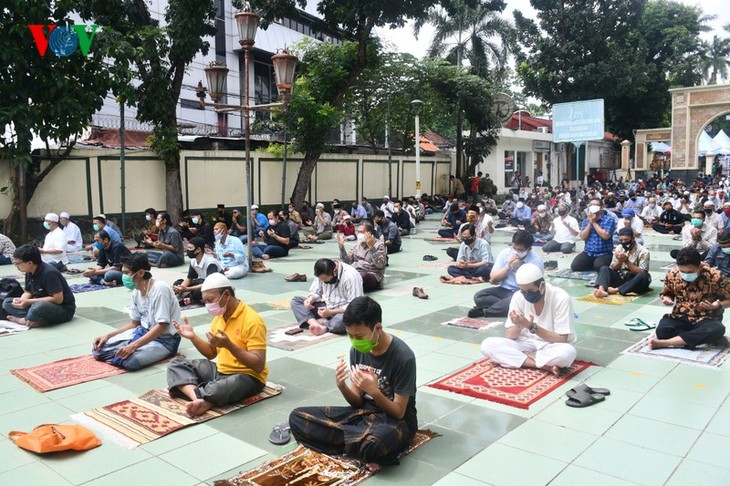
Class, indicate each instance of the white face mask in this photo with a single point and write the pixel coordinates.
(361, 237)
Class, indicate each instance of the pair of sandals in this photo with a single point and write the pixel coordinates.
(584, 396)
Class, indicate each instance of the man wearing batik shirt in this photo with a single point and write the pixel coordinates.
(380, 420)
(699, 294)
(629, 269)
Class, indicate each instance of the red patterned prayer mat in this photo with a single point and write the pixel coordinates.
(67, 372)
(472, 323)
(515, 387)
(130, 423)
(441, 239)
(306, 467)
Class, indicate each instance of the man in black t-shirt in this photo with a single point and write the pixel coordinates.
(277, 239)
(47, 298)
(381, 419)
(108, 269)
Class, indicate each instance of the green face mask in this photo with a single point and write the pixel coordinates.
(364, 345)
(696, 222)
(128, 282)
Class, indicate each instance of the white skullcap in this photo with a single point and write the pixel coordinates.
(520, 205)
(541, 207)
(254, 206)
(528, 273)
(65, 215)
(215, 281)
(51, 217)
(319, 205)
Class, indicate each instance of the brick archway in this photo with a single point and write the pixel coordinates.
(692, 109)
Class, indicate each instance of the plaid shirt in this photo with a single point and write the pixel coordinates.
(638, 255)
(595, 245)
(711, 285)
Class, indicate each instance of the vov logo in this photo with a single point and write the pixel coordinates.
(63, 41)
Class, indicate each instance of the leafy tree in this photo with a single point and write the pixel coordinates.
(357, 19)
(472, 32)
(627, 52)
(160, 57)
(50, 97)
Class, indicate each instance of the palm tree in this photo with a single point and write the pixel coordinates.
(716, 60)
(474, 33)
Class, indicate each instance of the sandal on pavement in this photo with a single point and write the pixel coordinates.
(585, 388)
(584, 399)
(280, 434)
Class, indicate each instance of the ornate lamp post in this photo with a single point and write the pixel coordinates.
(416, 104)
(216, 73)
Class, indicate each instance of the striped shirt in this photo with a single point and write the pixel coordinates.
(348, 287)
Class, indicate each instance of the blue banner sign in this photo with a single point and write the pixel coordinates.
(578, 121)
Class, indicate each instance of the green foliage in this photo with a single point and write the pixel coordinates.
(51, 97)
(627, 52)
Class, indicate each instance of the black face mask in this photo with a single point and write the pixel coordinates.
(562, 213)
(532, 296)
(191, 254)
(627, 246)
(333, 281)
(467, 241)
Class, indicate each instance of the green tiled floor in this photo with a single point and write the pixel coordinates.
(663, 422)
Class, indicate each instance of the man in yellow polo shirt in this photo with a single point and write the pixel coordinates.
(237, 337)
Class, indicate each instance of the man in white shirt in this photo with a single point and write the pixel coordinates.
(650, 213)
(74, 240)
(539, 326)
(54, 246)
(564, 229)
(711, 217)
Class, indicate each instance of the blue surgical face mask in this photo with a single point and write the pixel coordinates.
(689, 277)
(218, 236)
(47, 225)
(532, 296)
(195, 220)
(726, 251)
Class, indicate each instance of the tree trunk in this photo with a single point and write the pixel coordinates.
(459, 143)
(304, 178)
(173, 193)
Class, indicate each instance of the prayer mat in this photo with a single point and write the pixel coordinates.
(472, 323)
(155, 414)
(514, 387)
(568, 273)
(304, 466)
(278, 338)
(704, 355)
(615, 299)
(460, 280)
(440, 239)
(88, 287)
(439, 264)
(68, 372)
(7, 328)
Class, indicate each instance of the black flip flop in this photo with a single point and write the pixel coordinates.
(280, 434)
(429, 258)
(584, 399)
(587, 389)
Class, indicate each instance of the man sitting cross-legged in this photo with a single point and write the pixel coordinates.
(202, 264)
(47, 298)
(628, 271)
(149, 336)
(539, 326)
(108, 269)
(699, 294)
(237, 340)
(335, 286)
(380, 420)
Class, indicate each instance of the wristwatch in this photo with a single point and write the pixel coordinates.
(533, 328)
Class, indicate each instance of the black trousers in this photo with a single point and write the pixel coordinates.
(583, 262)
(631, 282)
(676, 229)
(494, 301)
(702, 332)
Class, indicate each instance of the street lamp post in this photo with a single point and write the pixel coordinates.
(416, 104)
(216, 73)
